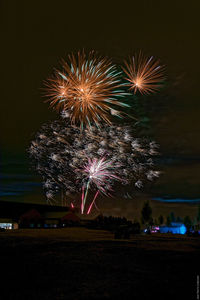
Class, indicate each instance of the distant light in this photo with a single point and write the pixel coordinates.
(6, 225)
(183, 229)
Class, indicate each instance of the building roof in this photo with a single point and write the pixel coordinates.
(70, 217)
(31, 214)
(54, 214)
(6, 220)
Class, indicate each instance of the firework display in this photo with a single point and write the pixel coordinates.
(72, 161)
(144, 74)
(87, 89)
(84, 150)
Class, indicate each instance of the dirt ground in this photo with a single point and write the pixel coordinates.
(78, 263)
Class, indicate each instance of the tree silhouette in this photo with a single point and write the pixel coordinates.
(179, 219)
(198, 214)
(146, 213)
(172, 217)
(156, 222)
(161, 220)
(168, 221)
(187, 222)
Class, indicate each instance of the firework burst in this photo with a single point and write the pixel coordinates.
(144, 74)
(87, 89)
(98, 172)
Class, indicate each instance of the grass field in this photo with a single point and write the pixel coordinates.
(78, 263)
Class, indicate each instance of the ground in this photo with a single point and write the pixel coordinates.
(78, 263)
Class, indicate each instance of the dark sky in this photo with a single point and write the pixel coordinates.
(35, 35)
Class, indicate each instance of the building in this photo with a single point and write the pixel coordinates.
(175, 228)
(31, 219)
(70, 219)
(8, 224)
(15, 215)
(26, 215)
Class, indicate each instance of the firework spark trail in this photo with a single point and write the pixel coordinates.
(144, 74)
(85, 197)
(96, 206)
(82, 199)
(87, 89)
(90, 207)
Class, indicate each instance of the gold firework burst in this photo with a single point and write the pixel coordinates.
(86, 88)
(144, 74)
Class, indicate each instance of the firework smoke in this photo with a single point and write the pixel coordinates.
(68, 158)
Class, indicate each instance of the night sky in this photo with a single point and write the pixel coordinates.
(37, 34)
